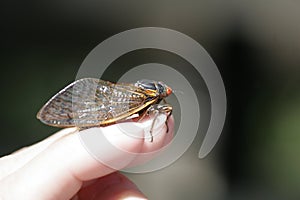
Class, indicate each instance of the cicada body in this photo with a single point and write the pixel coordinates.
(92, 102)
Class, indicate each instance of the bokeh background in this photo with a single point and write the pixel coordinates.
(255, 45)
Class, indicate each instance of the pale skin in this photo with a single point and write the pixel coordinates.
(60, 168)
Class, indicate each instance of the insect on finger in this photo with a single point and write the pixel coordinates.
(91, 102)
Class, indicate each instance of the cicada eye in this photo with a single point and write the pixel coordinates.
(146, 84)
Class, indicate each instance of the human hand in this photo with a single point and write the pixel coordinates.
(60, 168)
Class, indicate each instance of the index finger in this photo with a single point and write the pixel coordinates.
(59, 171)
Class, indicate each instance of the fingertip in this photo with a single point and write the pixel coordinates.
(161, 138)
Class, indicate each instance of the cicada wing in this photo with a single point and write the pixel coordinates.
(89, 102)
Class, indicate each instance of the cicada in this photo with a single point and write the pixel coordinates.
(91, 102)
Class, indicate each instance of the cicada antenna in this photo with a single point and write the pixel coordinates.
(178, 92)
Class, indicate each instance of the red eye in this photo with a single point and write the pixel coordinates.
(169, 91)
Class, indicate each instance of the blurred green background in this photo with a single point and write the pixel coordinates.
(255, 45)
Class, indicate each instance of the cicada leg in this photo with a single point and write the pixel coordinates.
(155, 110)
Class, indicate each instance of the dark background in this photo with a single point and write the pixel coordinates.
(255, 46)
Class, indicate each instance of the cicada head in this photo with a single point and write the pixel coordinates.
(163, 89)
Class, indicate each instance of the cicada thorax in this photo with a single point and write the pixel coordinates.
(154, 88)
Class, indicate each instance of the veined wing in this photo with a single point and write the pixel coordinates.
(89, 102)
